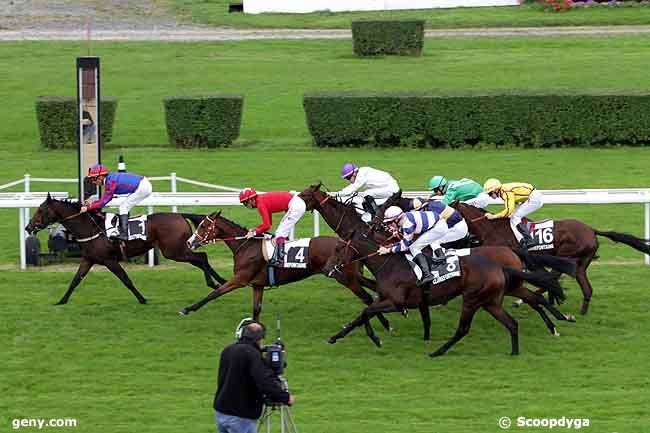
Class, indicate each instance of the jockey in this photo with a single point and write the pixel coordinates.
(269, 203)
(464, 190)
(137, 187)
(520, 199)
(377, 186)
(455, 222)
(430, 227)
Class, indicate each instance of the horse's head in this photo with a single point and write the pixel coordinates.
(207, 230)
(313, 196)
(49, 212)
(344, 253)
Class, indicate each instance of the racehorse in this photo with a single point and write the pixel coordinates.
(168, 231)
(572, 238)
(482, 283)
(250, 266)
(345, 221)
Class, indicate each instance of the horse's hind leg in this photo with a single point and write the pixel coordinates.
(497, 311)
(426, 321)
(583, 281)
(84, 268)
(120, 273)
(464, 324)
(199, 260)
(258, 295)
(385, 306)
(352, 282)
(535, 301)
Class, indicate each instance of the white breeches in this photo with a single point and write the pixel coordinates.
(482, 201)
(379, 194)
(142, 191)
(430, 237)
(534, 202)
(459, 231)
(295, 211)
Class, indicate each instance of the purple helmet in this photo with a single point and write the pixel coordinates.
(348, 170)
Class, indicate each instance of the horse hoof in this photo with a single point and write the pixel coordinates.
(377, 342)
(60, 303)
(584, 309)
(435, 354)
(331, 340)
(143, 301)
(514, 354)
(570, 318)
(184, 312)
(555, 333)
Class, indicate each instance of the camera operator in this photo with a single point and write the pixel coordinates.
(245, 382)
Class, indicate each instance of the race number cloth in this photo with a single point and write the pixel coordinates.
(296, 253)
(441, 273)
(137, 227)
(544, 234)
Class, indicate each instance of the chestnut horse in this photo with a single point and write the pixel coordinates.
(482, 283)
(167, 231)
(572, 238)
(250, 266)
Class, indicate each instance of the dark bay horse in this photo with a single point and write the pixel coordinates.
(482, 284)
(250, 266)
(573, 239)
(345, 221)
(167, 231)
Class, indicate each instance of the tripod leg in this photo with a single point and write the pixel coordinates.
(291, 424)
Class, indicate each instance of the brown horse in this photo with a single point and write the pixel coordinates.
(250, 266)
(167, 231)
(345, 221)
(482, 283)
(572, 239)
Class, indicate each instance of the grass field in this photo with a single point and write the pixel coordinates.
(215, 13)
(119, 367)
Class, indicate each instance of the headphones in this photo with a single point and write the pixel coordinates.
(243, 331)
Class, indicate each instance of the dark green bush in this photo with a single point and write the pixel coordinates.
(372, 38)
(513, 118)
(58, 125)
(203, 121)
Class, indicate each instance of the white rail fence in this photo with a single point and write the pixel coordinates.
(24, 201)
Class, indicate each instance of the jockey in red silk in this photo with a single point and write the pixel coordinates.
(115, 183)
(274, 202)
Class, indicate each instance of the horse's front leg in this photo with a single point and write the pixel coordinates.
(258, 295)
(378, 306)
(82, 271)
(228, 286)
(120, 273)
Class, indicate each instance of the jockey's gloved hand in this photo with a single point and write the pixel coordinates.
(383, 250)
(251, 234)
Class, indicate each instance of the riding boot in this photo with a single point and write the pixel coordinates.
(527, 241)
(423, 263)
(369, 205)
(124, 228)
(278, 255)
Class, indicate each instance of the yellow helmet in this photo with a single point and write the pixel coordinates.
(491, 185)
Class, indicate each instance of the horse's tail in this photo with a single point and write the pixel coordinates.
(195, 218)
(536, 261)
(632, 241)
(542, 279)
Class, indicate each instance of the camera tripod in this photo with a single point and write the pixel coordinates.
(287, 425)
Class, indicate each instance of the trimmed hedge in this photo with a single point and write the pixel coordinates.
(372, 38)
(57, 118)
(203, 121)
(516, 118)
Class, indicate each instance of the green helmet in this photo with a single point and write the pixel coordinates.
(437, 182)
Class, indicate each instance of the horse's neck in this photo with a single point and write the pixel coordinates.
(230, 229)
(339, 218)
(81, 226)
(495, 232)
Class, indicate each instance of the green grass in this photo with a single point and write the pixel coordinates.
(120, 367)
(274, 75)
(215, 13)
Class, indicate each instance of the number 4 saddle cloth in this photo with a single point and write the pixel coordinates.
(443, 272)
(543, 232)
(296, 252)
(137, 227)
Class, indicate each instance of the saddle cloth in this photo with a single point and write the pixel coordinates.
(442, 272)
(544, 234)
(137, 226)
(296, 252)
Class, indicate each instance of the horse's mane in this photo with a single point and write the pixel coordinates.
(74, 203)
(466, 206)
(237, 226)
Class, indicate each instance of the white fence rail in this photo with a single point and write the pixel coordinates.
(23, 201)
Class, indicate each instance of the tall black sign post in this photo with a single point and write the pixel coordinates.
(88, 99)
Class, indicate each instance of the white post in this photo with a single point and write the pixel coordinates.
(316, 223)
(173, 181)
(150, 253)
(21, 238)
(27, 190)
(647, 229)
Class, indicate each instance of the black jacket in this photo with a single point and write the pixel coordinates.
(244, 381)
